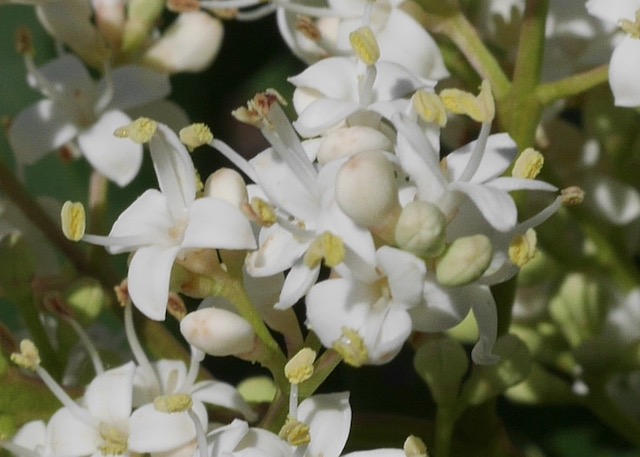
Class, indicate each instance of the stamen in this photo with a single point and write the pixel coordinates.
(523, 248)
(328, 247)
(572, 196)
(140, 131)
(430, 107)
(173, 403)
(195, 135)
(137, 351)
(528, 164)
(240, 162)
(73, 220)
(365, 45)
(197, 356)
(296, 433)
(300, 367)
(200, 434)
(351, 347)
(631, 28)
(263, 211)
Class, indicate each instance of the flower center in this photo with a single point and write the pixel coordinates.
(115, 440)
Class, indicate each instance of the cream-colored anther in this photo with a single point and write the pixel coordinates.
(264, 212)
(73, 219)
(174, 403)
(464, 261)
(528, 164)
(430, 107)
(364, 43)
(257, 109)
(328, 247)
(415, 447)
(572, 195)
(523, 248)
(114, 440)
(300, 367)
(139, 131)
(195, 135)
(28, 357)
(296, 433)
(351, 347)
(481, 108)
(631, 28)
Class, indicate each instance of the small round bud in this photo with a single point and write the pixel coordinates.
(366, 188)
(217, 332)
(348, 141)
(464, 261)
(421, 229)
(227, 184)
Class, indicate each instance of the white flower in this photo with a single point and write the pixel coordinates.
(342, 311)
(81, 110)
(625, 60)
(160, 225)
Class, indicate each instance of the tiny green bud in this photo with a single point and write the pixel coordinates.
(421, 229)
(464, 261)
(87, 298)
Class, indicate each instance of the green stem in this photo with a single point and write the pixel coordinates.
(445, 424)
(324, 366)
(464, 35)
(572, 85)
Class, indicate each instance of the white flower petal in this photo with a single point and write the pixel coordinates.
(148, 279)
(443, 308)
(222, 394)
(613, 10)
(329, 419)
(297, 283)
(67, 73)
(40, 129)
(262, 443)
(499, 153)
(334, 77)
(109, 395)
(323, 114)
(69, 435)
(222, 441)
(118, 160)
(484, 310)
(508, 184)
(278, 251)
(496, 206)
(623, 70)
(405, 273)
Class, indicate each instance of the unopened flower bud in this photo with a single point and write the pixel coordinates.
(217, 332)
(415, 447)
(348, 141)
(366, 188)
(189, 45)
(421, 229)
(227, 184)
(464, 261)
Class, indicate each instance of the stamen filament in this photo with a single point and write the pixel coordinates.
(96, 361)
(477, 153)
(194, 366)
(200, 435)
(107, 95)
(542, 216)
(136, 349)
(293, 401)
(240, 162)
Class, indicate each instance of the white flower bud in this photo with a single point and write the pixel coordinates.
(366, 188)
(464, 261)
(217, 332)
(421, 229)
(189, 44)
(228, 185)
(348, 141)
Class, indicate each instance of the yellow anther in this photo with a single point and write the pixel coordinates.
(263, 211)
(523, 248)
(328, 247)
(300, 367)
(415, 447)
(632, 28)
(73, 220)
(430, 107)
(571, 196)
(365, 45)
(480, 108)
(351, 347)
(295, 432)
(528, 164)
(140, 131)
(195, 135)
(175, 403)
(28, 357)
(114, 440)
(24, 41)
